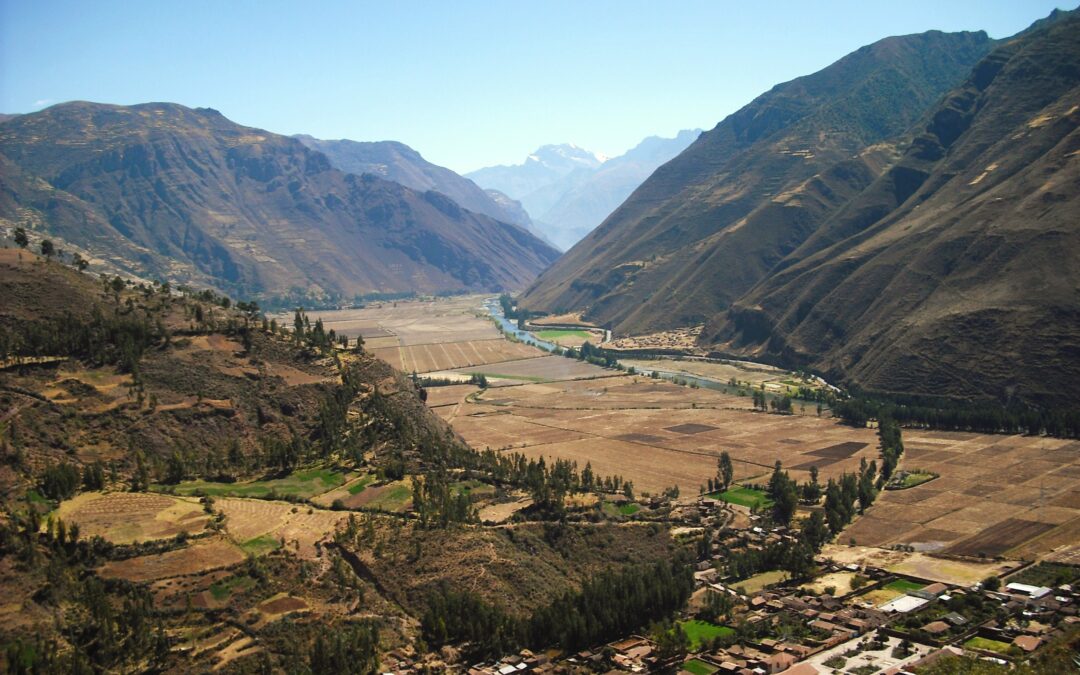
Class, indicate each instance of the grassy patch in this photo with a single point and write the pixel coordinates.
(629, 509)
(698, 667)
(554, 334)
(701, 632)
(987, 644)
(304, 484)
(37, 499)
(261, 545)
(744, 496)
(903, 586)
(910, 479)
(358, 487)
(221, 590)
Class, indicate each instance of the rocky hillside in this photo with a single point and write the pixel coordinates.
(163, 190)
(956, 271)
(708, 225)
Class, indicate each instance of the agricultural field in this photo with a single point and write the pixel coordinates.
(259, 525)
(197, 558)
(127, 517)
(656, 433)
(569, 338)
(411, 322)
(545, 368)
(1007, 496)
(437, 356)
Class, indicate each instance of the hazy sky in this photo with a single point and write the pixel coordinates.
(468, 84)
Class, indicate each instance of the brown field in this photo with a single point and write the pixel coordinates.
(452, 395)
(1007, 496)
(637, 428)
(126, 517)
(412, 322)
(197, 558)
(425, 358)
(921, 565)
(543, 368)
(754, 374)
(299, 524)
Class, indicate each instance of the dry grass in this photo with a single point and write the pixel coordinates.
(299, 525)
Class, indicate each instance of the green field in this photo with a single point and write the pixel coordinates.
(298, 484)
(554, 334)
(393, 499)
(472, 487)
(744, 496)
(613, 509)
(701, 632)
(988, 645)
(903, 586)
(358, 487)
(760, 581)
(698, 667)
(221, 590)
(261, 545)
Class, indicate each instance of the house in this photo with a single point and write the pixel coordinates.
(802, 669)
(955, 619)
(1033, 592)
(1028, 643)
(936, 627)
(935, 589)
(779, 662)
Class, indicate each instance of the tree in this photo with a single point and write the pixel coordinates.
(21, 240)
(47, 248)
(79, 262)
(725, 471)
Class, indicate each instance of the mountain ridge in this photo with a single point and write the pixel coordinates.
(189, 195)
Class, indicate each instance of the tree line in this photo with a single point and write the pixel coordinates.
(608, 606)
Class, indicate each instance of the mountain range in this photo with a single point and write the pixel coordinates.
(163, 190)
(887, 220)
(568, 191)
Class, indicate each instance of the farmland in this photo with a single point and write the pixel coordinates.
(996, 496)
(126, 517)
(655, 433)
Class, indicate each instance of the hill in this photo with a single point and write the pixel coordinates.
(167, 191)
(954, 272)
(708, 225)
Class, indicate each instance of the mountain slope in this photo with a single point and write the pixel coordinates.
(189, 195)
(956, 272)
(708, 225)
(399, 163)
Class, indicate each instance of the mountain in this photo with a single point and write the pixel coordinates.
(186, 194)
(399, 163)
(711, 223)
(956, 272)
(585, 201)
(526, 182)
(569, 191)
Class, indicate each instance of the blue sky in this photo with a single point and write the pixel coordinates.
(468, 84)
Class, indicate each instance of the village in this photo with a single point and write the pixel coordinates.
(845, 617)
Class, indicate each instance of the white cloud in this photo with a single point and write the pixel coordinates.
(42, 102)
